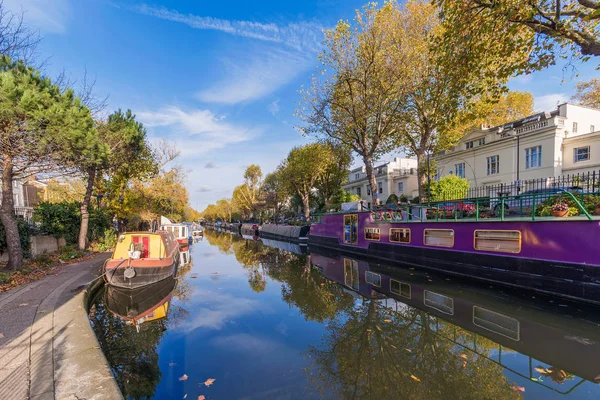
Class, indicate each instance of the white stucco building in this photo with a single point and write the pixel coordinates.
(563, 141)
(398, 176)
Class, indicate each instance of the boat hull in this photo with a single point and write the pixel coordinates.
(146, 272)
(559, 258)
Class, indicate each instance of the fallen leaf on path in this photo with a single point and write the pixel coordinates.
(464, 364)
(518, 388)
(415, 378)
(409, 350)
(1, 336)
(201, 397)
(387, 320)
(411, 268)
(23, 304)
(183, 378)
(463, 356)
(209, 381)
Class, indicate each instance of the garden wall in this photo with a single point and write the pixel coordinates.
(41, 245)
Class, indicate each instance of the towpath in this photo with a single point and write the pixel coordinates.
(48, 349)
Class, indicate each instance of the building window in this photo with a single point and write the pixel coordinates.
(400, 235)
(592, 128)
(368, 191)
(481, 141)
(574, 127)
(357, 176)
(400, 187)
(499, 241)
(533, 157)
(581, 154)
(380, 187)
(439, 302)
(460, 170)
(400, 288)
(379, 170)
(438, 237)
(493, 165)
(469, 145)
(373, 278)
(372, 234)
(358, 192)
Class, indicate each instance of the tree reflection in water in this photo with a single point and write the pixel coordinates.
(375, 352)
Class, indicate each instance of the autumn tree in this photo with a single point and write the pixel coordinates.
(37, 119)
(303, 167)
(354, 101)
(275, 194)
(588, 93)
(516, 36)
(247, 196)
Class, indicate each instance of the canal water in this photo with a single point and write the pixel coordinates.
(253, 320)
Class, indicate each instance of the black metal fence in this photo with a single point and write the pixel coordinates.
(588, 182)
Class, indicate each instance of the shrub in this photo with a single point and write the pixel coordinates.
(392, 199)
(100, 223)
(450, 187)
(59, 220)
(24, 233)
(108, 241)
(403, 198)
(69, 253)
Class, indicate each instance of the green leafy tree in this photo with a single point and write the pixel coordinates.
(303, 167)
(247, 196)
(37, 119)
(517, 36)
(354, 101)
(335, 174)
(449, 187)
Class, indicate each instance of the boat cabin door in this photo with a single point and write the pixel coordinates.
(351, 229)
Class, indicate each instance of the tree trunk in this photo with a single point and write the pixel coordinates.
(11, 228)
(85, 215)
(368, 160)
(422, 174)
(306, 205)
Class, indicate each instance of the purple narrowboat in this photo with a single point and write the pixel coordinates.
(559, 256)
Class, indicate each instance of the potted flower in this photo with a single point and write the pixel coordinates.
(560, 209)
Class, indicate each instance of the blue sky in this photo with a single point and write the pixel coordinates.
(220, 79)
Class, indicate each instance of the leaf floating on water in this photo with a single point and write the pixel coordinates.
(540, 370)
(463, 356)
(201, 397)
(412, 268)
(415, 378)
(1, 336)
(183, 378)
(209, 381)
(518, 388)
(387, 320)
(215, 273)
(185, 396)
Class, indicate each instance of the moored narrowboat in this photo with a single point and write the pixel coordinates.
(142, 258)
(181, 232)
(546, 254)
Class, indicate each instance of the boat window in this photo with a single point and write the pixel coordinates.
(351, 277)
(438, 237)
(400, 288)
(439, 302)
(498, 323)
(400, 235)
(141, 244)
(500, 241)
(373, 278)
(372, 234)
(351, 228)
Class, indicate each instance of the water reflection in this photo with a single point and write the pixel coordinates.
(275, 322)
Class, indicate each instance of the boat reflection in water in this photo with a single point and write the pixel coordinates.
(420, 327)
(137, 306)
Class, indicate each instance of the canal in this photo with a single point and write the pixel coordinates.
(253, 320)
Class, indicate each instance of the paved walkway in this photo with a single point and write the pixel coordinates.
(48, 349)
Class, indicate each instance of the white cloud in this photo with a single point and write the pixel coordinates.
(273, 108)
(49, 16)
(549, 102)
(197, 131)
(303, 36)
(260, 76)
